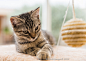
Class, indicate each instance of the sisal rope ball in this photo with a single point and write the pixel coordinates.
(74, 32)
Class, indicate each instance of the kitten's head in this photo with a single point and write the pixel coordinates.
(27, 25)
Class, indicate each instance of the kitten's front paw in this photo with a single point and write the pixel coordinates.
(43, 55)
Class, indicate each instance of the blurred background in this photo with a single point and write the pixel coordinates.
(51, 15)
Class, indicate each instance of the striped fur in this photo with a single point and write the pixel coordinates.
(29, 38)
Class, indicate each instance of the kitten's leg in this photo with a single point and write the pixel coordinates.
(45, 53)
(32, 51)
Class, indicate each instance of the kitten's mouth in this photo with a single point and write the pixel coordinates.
(30, 41)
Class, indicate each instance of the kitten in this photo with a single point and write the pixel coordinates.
(29, 38)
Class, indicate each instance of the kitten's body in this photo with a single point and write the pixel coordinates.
(29, 37)
(38, 43)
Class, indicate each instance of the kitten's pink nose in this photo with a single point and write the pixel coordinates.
(33, 35)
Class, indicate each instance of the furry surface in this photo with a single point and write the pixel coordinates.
(8, 53)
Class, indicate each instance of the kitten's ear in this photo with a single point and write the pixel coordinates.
(13, 21)
(36, 13)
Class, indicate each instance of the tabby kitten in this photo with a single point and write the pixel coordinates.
(29, 38)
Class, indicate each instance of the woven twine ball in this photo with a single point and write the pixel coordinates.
(74, 33)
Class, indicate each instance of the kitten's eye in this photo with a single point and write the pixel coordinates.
(25, 32)
(36, 28)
